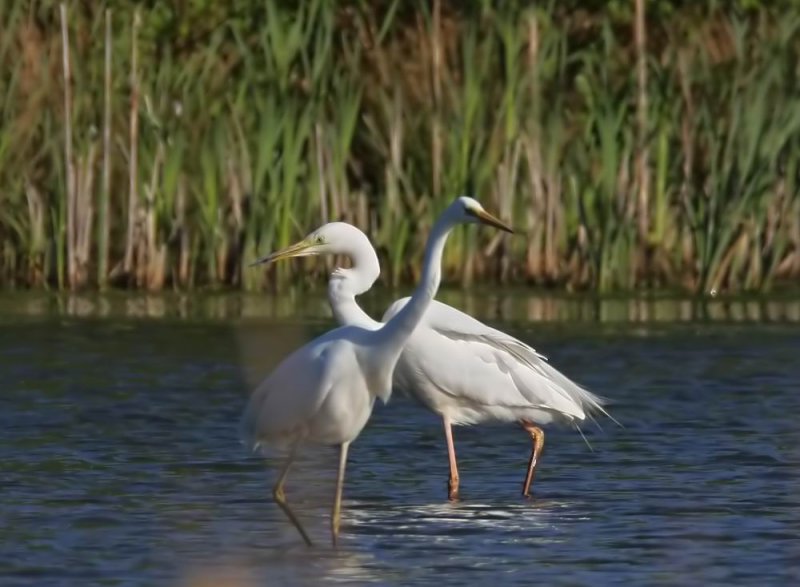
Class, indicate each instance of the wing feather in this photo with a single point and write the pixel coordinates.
(535, 382)
(290, 396)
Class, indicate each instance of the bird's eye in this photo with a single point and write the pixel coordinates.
(319, 240)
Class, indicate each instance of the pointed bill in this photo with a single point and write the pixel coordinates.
(300, 249)
(487, 218)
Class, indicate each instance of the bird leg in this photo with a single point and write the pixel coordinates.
(337, 501)
(537, 436)
(280, 497)
(452, 484)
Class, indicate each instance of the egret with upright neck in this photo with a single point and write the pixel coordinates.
(324, 391)
(458, 367)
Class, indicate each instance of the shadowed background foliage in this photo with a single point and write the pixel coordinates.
(191, 136)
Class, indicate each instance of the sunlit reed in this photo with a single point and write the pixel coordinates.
(676, 169)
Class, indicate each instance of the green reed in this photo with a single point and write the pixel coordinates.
(246, 126)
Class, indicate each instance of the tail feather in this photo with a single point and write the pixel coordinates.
(591, 403)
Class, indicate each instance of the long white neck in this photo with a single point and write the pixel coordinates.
(346, 310)
(345, 284)
(394, 334)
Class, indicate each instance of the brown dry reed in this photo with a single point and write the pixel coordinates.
(137, 151)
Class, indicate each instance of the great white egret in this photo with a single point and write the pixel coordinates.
(324, 391)
(458, 367)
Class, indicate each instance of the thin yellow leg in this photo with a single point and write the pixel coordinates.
(452, 484)
(537, 436)
(280, 497)
(337, 500)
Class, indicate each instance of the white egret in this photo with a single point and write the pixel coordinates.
(458, 367)
(324, 391)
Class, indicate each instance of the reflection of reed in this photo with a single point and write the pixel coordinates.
(262, 347)
(514, 306)
(286, 567)
(225, 577)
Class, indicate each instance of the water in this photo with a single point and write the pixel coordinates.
(120, 464)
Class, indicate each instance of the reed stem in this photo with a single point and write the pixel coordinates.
(103, 227)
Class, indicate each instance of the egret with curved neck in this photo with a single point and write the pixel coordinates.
(324, 392)
(458, 367)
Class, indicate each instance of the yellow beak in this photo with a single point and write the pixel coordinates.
(487, 218)
(300, 249)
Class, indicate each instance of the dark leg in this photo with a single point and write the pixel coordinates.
(337, 500)
(280, 497)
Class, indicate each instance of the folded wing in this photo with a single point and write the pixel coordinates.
(481, 365)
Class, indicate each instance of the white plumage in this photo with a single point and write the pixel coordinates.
(324, 392)
(458, 367)
(320, 392)
(490, 375)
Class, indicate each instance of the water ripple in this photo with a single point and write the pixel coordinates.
(121, 464)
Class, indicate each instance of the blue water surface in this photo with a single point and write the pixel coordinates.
(121, 465)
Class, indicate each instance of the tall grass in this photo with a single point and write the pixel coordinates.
(133, 154)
